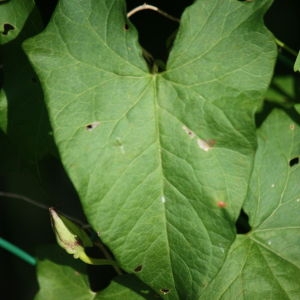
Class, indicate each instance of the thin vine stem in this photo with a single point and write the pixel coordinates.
(24, 198)
(28, 258)
(40, 205)
(286, 47)
(146, 6)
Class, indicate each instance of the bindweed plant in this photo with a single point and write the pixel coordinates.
(185, 161)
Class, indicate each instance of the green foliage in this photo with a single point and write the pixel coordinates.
(164, 162)
(71, 237)
(265, 263)
(23, 117)
(62, 277)
(297, 63)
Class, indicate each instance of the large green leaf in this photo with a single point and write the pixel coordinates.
(265, 263)
(154, 156)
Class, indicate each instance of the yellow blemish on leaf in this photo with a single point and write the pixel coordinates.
(205, 145)
(189, 132)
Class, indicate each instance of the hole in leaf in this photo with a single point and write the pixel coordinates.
(242, 224)
(91, 126)
(126, 26)
(138, 268)
(165, 291)
(294, 161)
(6, 28)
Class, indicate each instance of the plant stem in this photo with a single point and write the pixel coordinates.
(40, 205)
(107, 256)
(24, 198)
(285, 47)
(20, 253)
(146, 6)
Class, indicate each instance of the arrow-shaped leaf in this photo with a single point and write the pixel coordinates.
(153, 155)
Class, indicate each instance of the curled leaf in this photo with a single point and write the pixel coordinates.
(74, 239)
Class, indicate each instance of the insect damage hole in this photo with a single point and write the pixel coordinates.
(294, 161)
(6, 28)
(165, 291)
(242, 224)
(138, 269)
(92, 126)
(126, 27)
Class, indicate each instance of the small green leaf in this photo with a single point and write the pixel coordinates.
(297, 63)
(61, 277)
(74, 239)
(69, 235)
